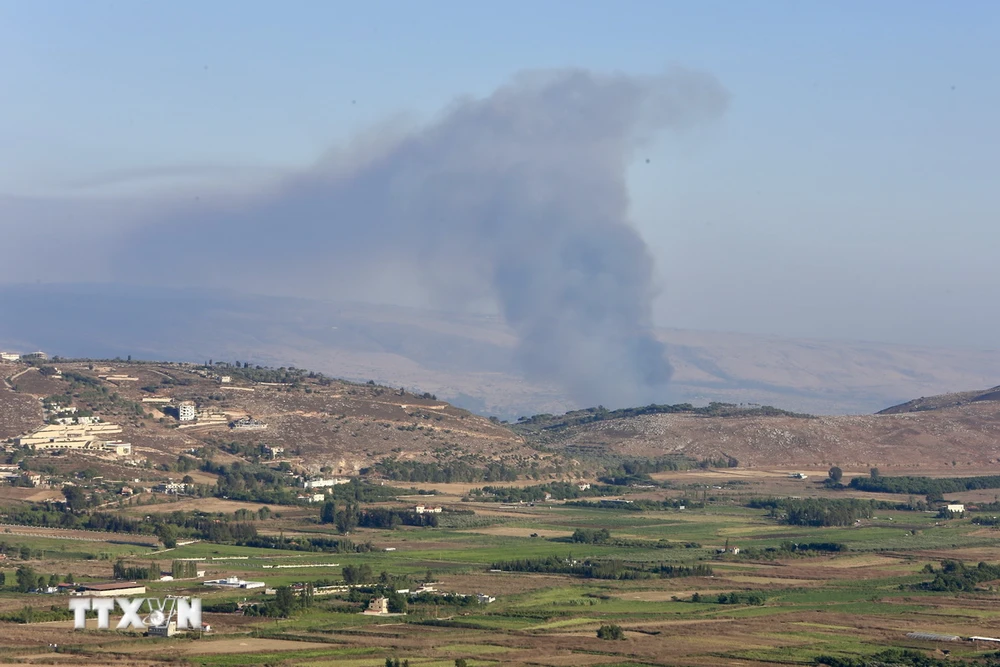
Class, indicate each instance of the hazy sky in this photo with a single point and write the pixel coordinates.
(850, 188)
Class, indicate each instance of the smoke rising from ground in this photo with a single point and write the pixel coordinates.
(518, 199)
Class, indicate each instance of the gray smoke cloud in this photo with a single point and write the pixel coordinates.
(518, 199)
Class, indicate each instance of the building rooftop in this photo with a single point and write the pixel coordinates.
(112, 586)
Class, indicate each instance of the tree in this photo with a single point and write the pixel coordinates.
(329, 512)
(69, 578)
(167, 534)
(284, 601)
(25, 552)
(836, 474)
(610, 632)
(461, 662)
(53, 580)
(396, 603)
(348, 518)
(76, 499)
(3, 579)
(874, 473)
(306, 596)
(26, 579)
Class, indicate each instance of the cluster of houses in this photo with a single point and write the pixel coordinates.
(311, 485)
(12, 472)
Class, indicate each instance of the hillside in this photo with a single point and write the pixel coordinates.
(345, 427)
(319, 421)
(954, 434)
(943, 401)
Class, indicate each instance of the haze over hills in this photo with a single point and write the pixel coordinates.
(467, 359)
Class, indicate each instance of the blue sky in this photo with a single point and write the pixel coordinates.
(849, 191)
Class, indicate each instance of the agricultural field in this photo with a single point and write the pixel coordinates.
(716, 583)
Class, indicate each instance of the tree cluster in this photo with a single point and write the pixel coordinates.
(924, 485)
(954, 576)
(595, 569)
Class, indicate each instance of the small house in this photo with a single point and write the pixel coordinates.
(378, 606)
(167, 630)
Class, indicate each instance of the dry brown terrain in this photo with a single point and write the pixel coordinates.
(342, 425)
(349, 426)
(969, 435)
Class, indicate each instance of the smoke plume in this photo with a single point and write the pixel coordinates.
(518, 199)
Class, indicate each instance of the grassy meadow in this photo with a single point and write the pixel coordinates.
(856, 601)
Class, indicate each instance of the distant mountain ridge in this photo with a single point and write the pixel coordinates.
(464, 358)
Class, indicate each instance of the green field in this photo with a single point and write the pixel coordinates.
(855, 601)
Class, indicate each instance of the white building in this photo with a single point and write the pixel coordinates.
(186, 412)
(957, 508)
(9, 356)
(168, 630)
(248, 424)
(234, 582)
(114, 589)
(485, 599)
(118, 447)
(583, 487)
(67, 436)
(324, 483)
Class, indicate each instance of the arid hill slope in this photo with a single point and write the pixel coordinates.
(944, 401)
(968, 434)
(348, 426)
(320, 422)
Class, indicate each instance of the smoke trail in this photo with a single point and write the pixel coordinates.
(518, 198)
